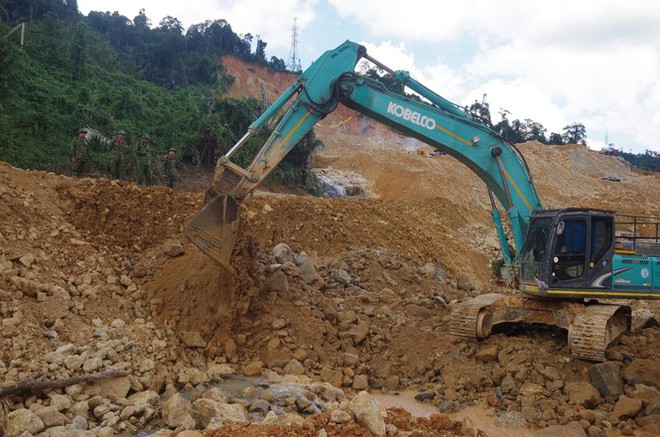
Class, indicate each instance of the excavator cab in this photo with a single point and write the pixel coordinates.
(567, 251)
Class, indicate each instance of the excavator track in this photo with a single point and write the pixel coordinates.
(595, 328)
(470, 319)
(591, 328)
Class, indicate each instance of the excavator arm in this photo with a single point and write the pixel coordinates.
(331, 80)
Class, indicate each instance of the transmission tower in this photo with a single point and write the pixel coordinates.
(294, 59)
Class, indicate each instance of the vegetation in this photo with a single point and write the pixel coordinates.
(109, 73)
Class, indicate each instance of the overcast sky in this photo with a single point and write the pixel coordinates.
(595, 62)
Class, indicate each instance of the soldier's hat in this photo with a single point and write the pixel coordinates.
(120, 132)
(145, 137)
(171, 149)
(82, 131)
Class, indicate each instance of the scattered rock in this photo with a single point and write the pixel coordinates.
(193, 339)
(294, 367)
(582, 393)
(368, 413)
(607, 379)
(253, 369)
(22, 420)
(176, 412)
(626, 407)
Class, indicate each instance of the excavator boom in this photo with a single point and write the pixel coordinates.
(332, 80)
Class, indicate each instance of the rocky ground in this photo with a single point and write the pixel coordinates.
(331, 304)
(329, 300)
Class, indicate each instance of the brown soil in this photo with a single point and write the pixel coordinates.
(77, 254)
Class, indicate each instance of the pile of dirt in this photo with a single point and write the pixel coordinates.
(336, 297)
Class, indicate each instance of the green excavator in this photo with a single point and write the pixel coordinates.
(566, 262)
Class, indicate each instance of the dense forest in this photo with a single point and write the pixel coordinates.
(109, 72)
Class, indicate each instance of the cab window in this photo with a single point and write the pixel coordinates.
(601, 238)
(569, 257)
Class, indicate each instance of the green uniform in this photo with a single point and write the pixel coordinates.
(169, 162)
(144, 174)
(79, 155)
(116, 165)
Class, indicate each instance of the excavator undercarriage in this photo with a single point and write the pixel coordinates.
(591, 328)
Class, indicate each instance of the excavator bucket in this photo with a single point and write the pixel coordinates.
(214, 229)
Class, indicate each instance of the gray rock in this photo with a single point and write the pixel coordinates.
(367, 413)
(283, 253)
(607, 379)
(278, 283)
(60, 402)
(343, 276)
(511, 419)
(308, 272)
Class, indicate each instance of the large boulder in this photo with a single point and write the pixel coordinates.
(368, 413)
(176, 412)
(207, 411)
(607, 379)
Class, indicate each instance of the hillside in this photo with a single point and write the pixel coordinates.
(334, 307)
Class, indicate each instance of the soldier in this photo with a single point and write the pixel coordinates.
(144, 161)
(79, 154)
(116, 155)
(169, 162)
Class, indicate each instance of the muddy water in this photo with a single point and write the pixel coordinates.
(476, 417)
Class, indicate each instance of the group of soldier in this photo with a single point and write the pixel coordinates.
(124, 161)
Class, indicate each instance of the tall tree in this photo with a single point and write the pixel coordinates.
(574, 133)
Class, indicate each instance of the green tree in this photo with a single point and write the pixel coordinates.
(574, 133)
(556, 138)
